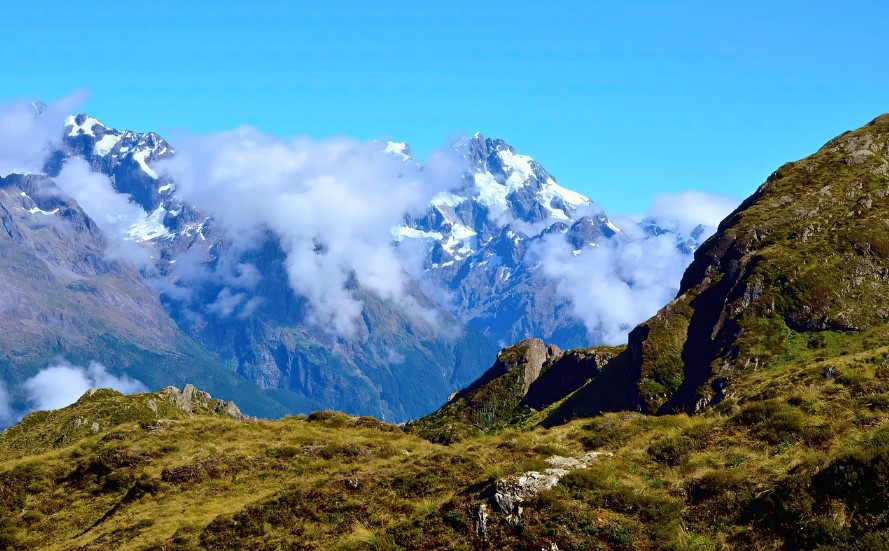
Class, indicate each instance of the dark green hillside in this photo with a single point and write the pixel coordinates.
(752, 412)
(807, 253)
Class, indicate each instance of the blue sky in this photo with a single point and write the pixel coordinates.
(619, 100)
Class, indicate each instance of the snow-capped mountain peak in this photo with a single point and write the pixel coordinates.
(400, 149)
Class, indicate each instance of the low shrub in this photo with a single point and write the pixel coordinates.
(772, 421)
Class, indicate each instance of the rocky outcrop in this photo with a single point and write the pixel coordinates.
(527, 377)
(511, 492)
(567, 372)
(192, 400)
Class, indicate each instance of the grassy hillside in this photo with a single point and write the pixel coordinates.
(797, 459)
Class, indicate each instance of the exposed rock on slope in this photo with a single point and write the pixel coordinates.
(526, 377)
(190, 400)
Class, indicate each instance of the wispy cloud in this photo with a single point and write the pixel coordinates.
(7, 415)
(683, 211)
(330, 204)
(112, 211)
(26, 138)
(62, 384)
(623, 282)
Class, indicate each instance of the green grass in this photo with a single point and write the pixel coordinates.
(786, 460)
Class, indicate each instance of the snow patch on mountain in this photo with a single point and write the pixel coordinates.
(400, 149)
(106, 144)
(141, 157)
(149, 227)
(81, 125)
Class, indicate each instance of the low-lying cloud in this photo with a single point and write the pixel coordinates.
(330, 204)
(682, 212)
(26, 139)
(30, 132)
(7, 415)
(624, 281)
(112, 211)
(63, 384)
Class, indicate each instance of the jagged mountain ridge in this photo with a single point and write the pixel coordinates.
(396, 367)
(478, 238)
(480, 272)
(482, 241)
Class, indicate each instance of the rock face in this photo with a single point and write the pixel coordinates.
(569, 371)
(190, 400)
(57, 283)
(527, 377)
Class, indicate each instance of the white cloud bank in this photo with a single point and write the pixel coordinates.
(682, 212)
(63, 384)
(26, 138)
(112, 211)
(331, 204)
(623, 282)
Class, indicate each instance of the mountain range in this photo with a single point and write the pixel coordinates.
(750, 412)
(213, 311)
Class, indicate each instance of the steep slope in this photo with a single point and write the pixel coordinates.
(805, 254)
(799, 260)
(526, 379)
(60, 296)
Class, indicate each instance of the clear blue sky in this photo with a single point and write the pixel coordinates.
(619, 100)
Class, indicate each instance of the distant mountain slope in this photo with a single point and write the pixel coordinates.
(61, 297)
(480, 273)
(482, 241)
(395, 367)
